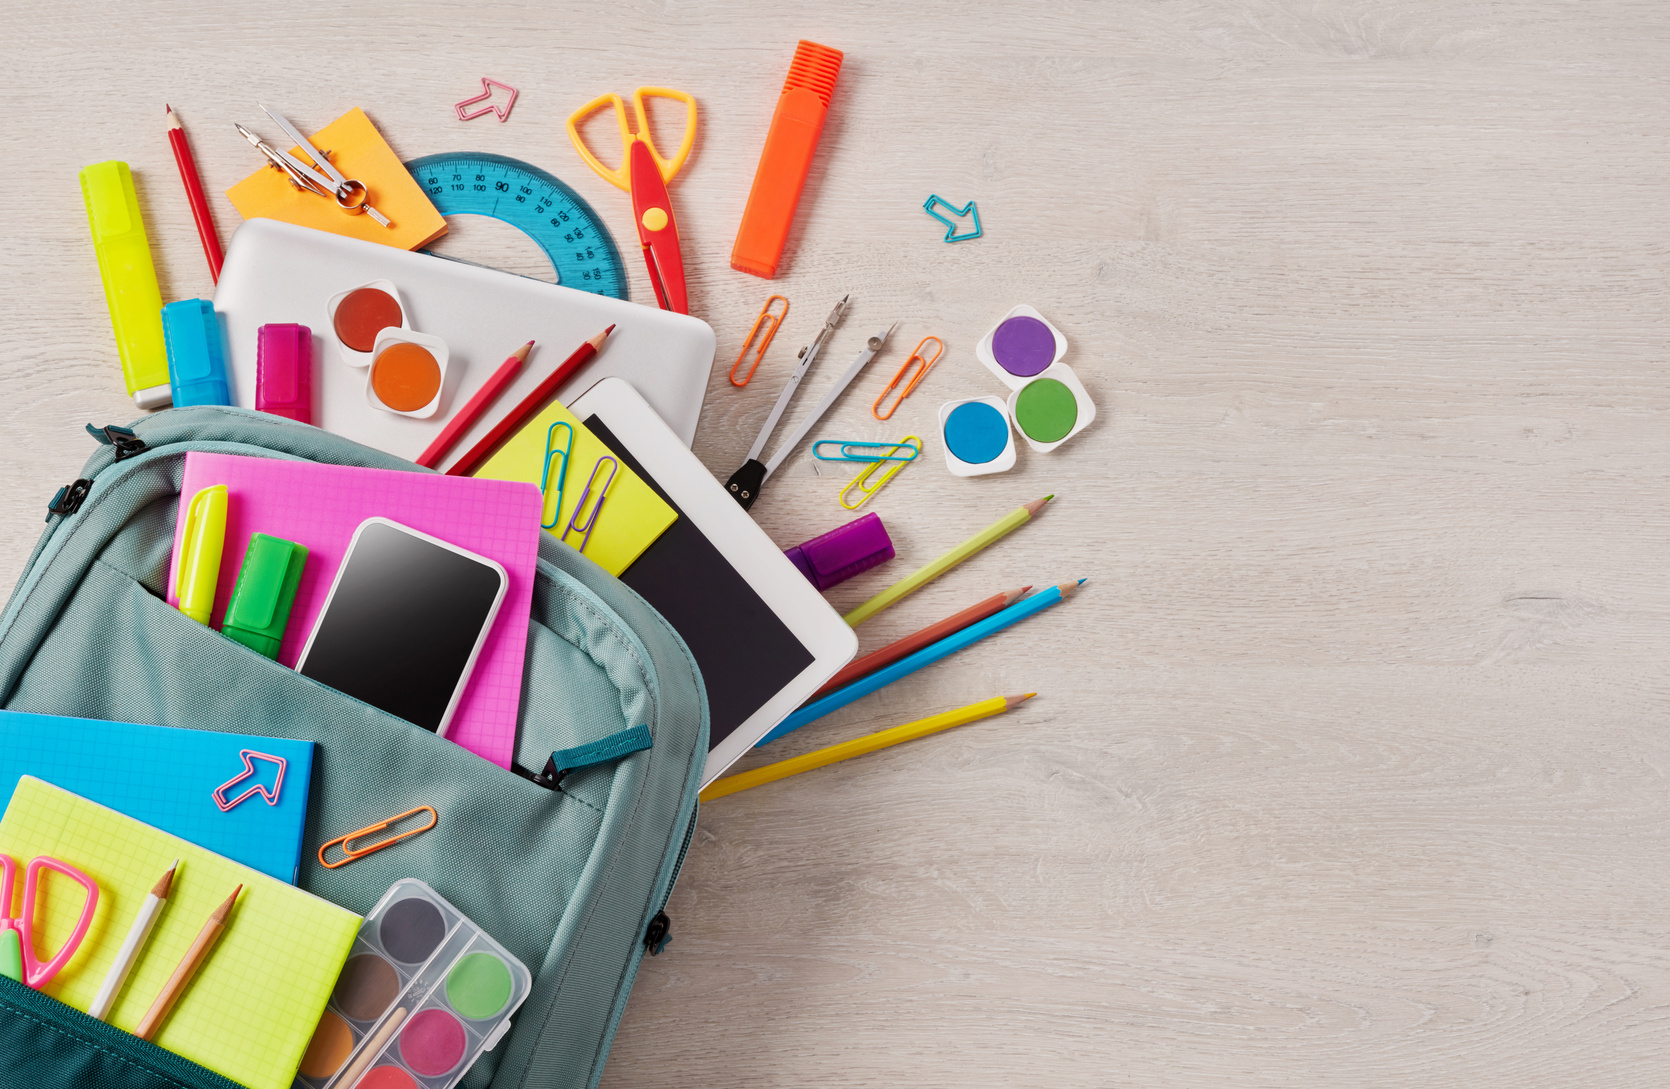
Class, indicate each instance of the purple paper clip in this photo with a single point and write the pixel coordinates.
(487, 86)
(249, 756)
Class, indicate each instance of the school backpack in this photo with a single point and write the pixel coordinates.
(568, 865)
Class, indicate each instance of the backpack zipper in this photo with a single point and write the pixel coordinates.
(659, 934)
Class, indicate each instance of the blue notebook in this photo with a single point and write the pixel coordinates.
(169, 779)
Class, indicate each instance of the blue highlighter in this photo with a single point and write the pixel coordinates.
(196, 353)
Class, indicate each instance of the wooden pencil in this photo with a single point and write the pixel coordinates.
(143, 921)
(194, 958)
(531, 404)
(913, 582)
(194, 194)
(910, 644)
(910, 731)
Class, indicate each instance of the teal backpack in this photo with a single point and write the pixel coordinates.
(568, 864)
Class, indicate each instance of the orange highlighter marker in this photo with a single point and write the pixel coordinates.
(787, 158)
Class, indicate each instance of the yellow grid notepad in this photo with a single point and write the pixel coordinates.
(251, 1009)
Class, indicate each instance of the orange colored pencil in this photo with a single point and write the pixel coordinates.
(531, 404)
(472, 411)
(910, 644)
(194, 958)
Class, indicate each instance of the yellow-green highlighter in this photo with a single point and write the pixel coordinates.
(130, 280)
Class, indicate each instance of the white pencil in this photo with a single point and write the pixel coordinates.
(132, 945)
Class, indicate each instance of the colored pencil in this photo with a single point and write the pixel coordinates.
(927, 656)
(194, 958)
(999, 529)
(531, 404)
(473, 409)
(910, 644)
(194, 193)
(132, 945)
(858, 746)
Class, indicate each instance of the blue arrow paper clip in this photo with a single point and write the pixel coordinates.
(951, 234)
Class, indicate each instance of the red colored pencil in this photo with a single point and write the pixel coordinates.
(194, 193)
(472, 411)
(531, 404)
(910, 644)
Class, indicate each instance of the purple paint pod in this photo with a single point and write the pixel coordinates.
(1023, 346)
(843, 552)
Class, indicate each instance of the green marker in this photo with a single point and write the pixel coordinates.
(267, 582)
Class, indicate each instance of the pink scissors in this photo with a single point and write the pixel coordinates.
(17, 947)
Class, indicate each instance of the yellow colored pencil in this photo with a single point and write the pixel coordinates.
(858, 746)
(999, 529)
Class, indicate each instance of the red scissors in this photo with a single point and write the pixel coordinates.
(645, 174)
(17, 946)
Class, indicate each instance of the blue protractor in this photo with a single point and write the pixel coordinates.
(535, 202)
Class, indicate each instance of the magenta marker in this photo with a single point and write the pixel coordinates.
(284, 371)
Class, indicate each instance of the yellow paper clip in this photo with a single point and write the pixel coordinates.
(349, 854)
(759, 353)
(574, 525)
(862, 479)
(921, 373)
(551, 451)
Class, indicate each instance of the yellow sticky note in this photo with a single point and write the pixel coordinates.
(633, 515)
(251, 1009)
(358, 150)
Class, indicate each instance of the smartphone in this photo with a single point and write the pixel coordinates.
(404, 622)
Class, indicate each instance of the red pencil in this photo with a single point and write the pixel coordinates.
(910, 644)
(472, 411)
(194, 193)
(531, 404)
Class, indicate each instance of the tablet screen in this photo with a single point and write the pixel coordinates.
(746, 654)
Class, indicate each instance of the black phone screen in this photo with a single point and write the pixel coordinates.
(401, 624)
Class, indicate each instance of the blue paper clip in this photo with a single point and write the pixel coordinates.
(851, 450)
(951, 234)
(574, 525)
(562, 474)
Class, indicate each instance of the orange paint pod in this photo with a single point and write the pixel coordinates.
(407, 374)
(358, 315)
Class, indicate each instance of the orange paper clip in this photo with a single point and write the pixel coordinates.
(759, 353)
(923, 364)
(349, 854)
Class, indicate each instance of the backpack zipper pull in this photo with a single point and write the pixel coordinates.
(69, 497)
(659, 935)
(127, 444)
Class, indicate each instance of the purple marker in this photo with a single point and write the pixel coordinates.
(843, 552)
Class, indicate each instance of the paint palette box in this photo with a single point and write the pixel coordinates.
(424, 992)
(1047, 403)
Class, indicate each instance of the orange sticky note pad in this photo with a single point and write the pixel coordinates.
(359, 151)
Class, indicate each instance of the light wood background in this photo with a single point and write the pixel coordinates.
(1349, 765)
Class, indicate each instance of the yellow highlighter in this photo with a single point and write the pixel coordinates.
(200, 546)
(130, 280)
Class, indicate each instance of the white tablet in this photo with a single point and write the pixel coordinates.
(765, 639)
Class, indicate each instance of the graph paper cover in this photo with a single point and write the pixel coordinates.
(167, 778)
(320, 506)
(253, 1005)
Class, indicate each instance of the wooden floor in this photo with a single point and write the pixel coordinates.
(1349, 764)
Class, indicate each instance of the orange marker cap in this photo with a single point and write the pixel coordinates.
(787, 159)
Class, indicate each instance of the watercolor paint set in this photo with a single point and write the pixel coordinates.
(424, 992)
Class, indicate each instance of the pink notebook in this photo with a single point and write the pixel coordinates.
(320, 506)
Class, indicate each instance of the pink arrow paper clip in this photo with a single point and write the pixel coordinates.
(248, 756)
(487, 86)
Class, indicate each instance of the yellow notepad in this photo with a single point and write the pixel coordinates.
(633, 516)
(358, 150)
(250, 1010)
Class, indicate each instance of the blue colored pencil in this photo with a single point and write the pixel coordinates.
(928, 655)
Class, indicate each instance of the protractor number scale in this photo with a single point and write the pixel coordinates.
(581, 251)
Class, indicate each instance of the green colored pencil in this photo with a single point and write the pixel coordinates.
(1004, 526)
